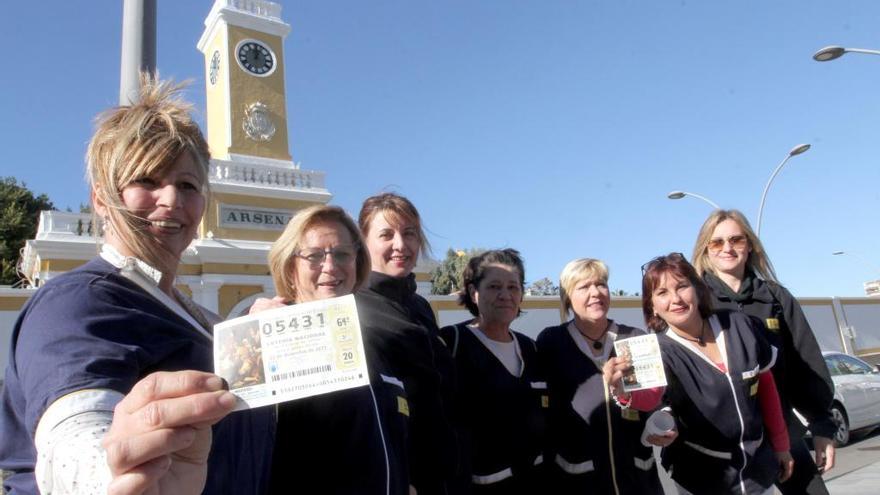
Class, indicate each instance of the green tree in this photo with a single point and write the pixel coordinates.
(623, 293)
(542, 287)
(446, 278)
(19, 214)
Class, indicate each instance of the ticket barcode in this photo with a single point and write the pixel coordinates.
(303, 372)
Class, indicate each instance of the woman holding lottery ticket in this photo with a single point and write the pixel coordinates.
(719, 388)
(502, 393)
(347, 442)
(593, 442)
(86, 405)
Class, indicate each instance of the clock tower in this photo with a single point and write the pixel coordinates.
(247, 110)
(256, 186)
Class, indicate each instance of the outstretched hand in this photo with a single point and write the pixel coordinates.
(160, 437)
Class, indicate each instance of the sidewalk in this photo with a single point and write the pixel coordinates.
(862, 481)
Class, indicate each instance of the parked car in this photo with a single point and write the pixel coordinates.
(856, 394)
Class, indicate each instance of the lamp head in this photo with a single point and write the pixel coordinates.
(838, 253)
(675, 195)
(829, 53)
(797, 150)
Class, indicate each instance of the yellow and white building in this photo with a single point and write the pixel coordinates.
(256, 187)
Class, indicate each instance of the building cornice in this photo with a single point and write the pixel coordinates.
(258, 15)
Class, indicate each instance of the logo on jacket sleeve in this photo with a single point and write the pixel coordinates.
(402, 406)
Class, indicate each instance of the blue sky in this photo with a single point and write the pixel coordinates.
(554, 127)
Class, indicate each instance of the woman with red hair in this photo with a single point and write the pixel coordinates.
(719, 387)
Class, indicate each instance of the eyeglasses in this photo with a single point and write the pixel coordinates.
(662, 259)
(736, 242)
(342, 255)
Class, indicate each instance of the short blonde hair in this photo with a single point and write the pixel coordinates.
(757, 260)
(282, 254)
(576, 271)
(143, 139)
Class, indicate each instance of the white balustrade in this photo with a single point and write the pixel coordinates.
(225, 172)
(63, 223)
(257, 7)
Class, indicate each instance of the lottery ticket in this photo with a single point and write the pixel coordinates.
(291, 352)
(647, 364)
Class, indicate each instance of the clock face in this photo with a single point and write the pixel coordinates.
(215, 67)
(255, 58)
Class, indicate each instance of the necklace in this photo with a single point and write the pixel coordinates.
(597, 343)
(701, 340)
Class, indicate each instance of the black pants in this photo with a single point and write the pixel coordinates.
(806, 478)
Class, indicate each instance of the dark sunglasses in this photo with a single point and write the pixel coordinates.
(661, 259)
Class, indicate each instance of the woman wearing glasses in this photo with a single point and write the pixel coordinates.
(502, 392)
(719, 387)
(733, 263)
(595, 442)
(403, 326)
(350, 441)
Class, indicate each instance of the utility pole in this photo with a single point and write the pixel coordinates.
(138, 46)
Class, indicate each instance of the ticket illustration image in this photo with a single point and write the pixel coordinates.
(291, 352)
(647, 364)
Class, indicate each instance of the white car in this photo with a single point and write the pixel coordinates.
(856, 394)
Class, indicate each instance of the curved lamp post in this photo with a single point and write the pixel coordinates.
(681, 194)
(797, 150)
(832, 52)
(858, 257)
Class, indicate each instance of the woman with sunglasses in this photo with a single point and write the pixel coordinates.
(719, 387)
(349, 442)
(594, 442)
(405, 329)
(733, 263)
(502, 391)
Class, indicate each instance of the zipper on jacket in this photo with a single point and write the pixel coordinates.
(610, 437)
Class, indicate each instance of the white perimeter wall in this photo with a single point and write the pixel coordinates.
(7, 320)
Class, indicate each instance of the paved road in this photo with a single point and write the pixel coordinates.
(851, 474)
(847, 477)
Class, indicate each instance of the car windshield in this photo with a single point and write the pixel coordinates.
(841, 364)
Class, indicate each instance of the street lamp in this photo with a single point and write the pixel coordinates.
(858, 257)
(797, 150)
(832, 52)
(872, 287)
(681, 194)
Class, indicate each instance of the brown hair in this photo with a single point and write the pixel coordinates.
(756, 261)
(398, 211)
(676, 265)
(475, 271)
(282, 255)
(141, 140)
